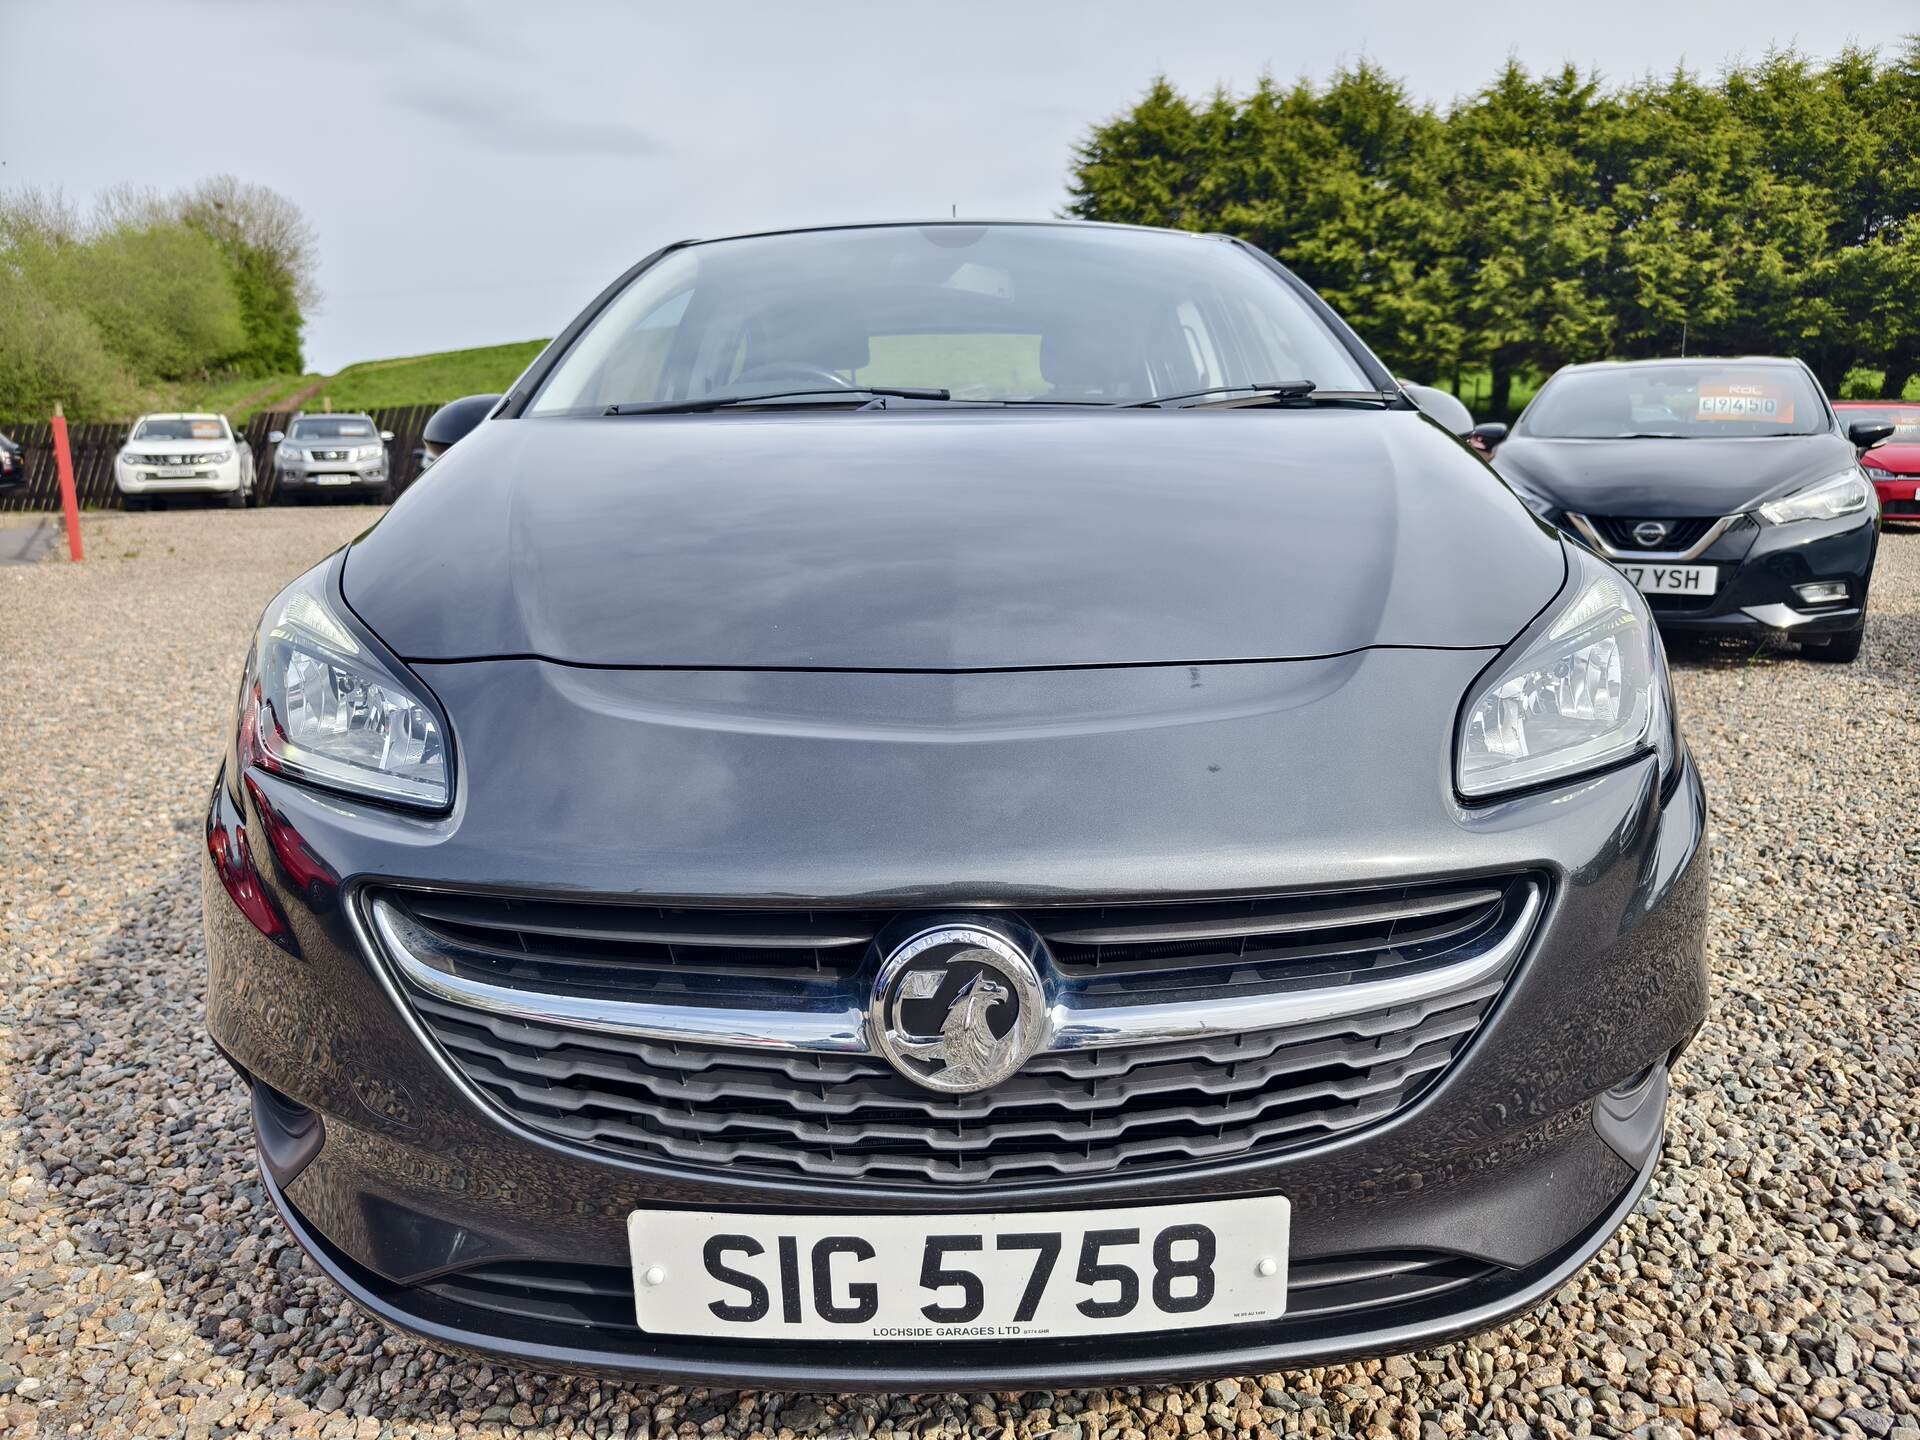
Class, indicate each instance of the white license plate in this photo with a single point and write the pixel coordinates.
(175, 472)
(959, 1277)
(333, 479)
(1673, 579)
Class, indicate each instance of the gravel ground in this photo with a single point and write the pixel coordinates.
(1770, 1282)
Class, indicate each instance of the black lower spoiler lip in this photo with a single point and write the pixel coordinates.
(699, 1363)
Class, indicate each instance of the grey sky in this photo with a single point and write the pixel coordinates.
(477, 172)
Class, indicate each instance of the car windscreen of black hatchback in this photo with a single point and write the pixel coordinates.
(1714, 399)
(1003, 313)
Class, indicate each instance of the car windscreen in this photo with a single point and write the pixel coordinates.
(1905, 419)
(180, 429)
(331, 429)
(1690, 401)
(1033, 313)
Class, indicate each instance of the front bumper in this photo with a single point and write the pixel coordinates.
(1761, 568)
(1899, 497)
(1077, 1363)
(1513, 1168)
(321, 478)
(223, 479)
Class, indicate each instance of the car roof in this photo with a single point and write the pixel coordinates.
(1686, 360)
(333, 415)
(1878, 404)
(954, 221)
(183, 415)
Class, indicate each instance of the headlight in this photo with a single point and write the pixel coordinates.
(213, 457)
(318, 703)
(291, 452)
(1829, 499)
(368, 452)
(1587, 688)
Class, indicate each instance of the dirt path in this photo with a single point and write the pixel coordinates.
(271, 397)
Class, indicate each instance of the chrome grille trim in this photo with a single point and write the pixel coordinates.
(1400, 979)
(425, 962)
(834, 1020)
(1591, 534)
(1261, 920)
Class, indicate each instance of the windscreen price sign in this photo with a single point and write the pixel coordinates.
(1745, 400)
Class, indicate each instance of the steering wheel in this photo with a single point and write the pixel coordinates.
(780, 371)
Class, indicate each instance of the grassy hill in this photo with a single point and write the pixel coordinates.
(370, 385)
(426, 379)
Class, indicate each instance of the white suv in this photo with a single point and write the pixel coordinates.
(184, 455)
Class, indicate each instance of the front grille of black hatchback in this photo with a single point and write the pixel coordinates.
(1617, 531)
(770, 1110)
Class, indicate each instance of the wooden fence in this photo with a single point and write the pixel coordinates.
(94, 447)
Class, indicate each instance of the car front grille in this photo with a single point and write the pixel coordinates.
(1617, 531)
(846, 1114)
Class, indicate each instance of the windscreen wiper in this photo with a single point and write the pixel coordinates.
(1258, 390)
(1265, 393)
(857, 393)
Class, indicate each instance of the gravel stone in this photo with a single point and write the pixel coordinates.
(1768, 1285)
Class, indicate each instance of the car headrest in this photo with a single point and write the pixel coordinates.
(820, 338)
(1089, 362)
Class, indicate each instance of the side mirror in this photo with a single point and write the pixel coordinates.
(1487, 436)
(274, 437)
(1441, 406)
(453, 420)
(387, 435)
(1866, 434)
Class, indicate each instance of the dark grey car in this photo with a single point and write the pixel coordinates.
(955, 806)
(340, 455)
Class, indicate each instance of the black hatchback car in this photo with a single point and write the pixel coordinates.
(938, 806)
(1727, 490)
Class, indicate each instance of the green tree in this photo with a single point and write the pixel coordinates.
(162, 298)
(1342, 184)
(50, 354)
(271, 248)
(1549, 219)
(148, 291)
(1531, 234)
(1662, 166)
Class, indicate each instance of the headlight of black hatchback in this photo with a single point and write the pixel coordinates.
(1846, 493)
(1586, 687)
(322, 703)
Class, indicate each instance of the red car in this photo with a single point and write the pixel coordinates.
(1894, 465)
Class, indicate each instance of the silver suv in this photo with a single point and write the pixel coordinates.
(336, 454)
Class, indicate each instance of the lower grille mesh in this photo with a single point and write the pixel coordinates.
(1065, 1113)
(600, 1297)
